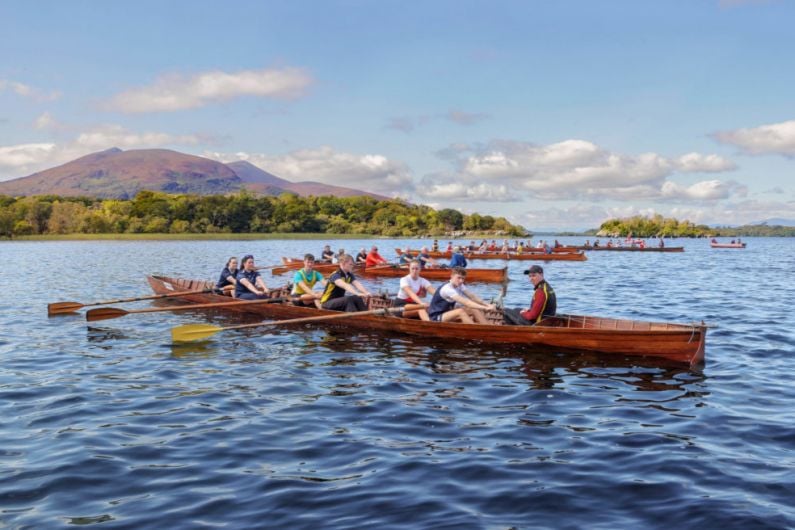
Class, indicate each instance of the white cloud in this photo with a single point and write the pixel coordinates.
(28, 91)
(456, 191)
(465, 118)
(45, 121)
(576, 169)
(698, 163)
(13, 157)
(370, 172)
(176, 92)
(107, 136)
(775, 138)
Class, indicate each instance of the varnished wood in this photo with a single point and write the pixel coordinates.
(683, 343)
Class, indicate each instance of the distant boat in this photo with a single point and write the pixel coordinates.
(715, 244)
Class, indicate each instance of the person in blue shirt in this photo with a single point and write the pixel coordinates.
(304, 281)
(250, 285)
(226, 283)
(458, 259)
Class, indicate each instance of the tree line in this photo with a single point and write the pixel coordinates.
(157, 212)
(659, 226)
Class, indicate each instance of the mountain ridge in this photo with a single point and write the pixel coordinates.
(118, 174)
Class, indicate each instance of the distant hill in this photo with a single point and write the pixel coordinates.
(776, 221)
(122, 174)
(261, 181)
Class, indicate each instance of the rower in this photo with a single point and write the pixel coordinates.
(413, 287)
(341, 283)
(250, 285)
(304, 281)
(226, 283)
(455, 302)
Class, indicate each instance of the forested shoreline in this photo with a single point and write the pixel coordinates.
(162, 213)
(659, 226)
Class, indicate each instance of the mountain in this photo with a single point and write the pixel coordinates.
(260, 181)
(121, 174)
(776, 221)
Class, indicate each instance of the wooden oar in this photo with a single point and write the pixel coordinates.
(70, 307)
(191, 332)
(105, 313)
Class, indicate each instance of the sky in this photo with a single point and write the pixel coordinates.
(557, 115)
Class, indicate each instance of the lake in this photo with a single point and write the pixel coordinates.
(109, 424)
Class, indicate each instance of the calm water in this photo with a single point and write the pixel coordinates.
(111, 425)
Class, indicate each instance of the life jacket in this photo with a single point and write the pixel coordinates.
(551, 305)
(332, 290)
(439, 305)
(310, 283)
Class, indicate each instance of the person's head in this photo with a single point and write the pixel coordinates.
(456, 249)
(535, 273)
(309, 261)
(457, 276)
(374, 249)
(340, 252)
(363, 250)
(414, 268)
(346, 263)
(424, 249)
(231, 263)
(247, 262)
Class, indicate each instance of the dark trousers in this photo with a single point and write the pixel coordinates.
(345, 303)
(513, 317)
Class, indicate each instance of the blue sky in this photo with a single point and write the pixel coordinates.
(557, 115)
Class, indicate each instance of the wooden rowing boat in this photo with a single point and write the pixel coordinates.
(681, 343)
(532, 256)
(397, 271)
(630, 249)
(727, 245)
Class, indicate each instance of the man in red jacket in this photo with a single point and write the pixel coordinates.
(544, 302)
(374, 258)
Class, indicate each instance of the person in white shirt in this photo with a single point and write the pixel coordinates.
(413, 288)
(454, 302)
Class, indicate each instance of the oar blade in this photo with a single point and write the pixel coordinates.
(105, 313)
(190, 332)
(58, 308)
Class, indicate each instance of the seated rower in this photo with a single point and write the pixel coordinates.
(361, 257)
(327, 255)
(374, 258)
(544, 302)
(435, 246)
(425, 258)
(405, 257)
(458, 259)
(250, 285)
(341, 282)
(226, 283)
(454, 302)
(304, 281)
(413, 287)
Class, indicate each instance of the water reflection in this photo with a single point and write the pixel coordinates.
(544, 369)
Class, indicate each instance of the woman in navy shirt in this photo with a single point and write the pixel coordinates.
(250, 285)
(227, 281)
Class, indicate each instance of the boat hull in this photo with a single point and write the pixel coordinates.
(534, 256)
(680, 343)
(396, 271)
(727, 245)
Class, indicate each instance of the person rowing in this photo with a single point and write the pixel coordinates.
(405, 257)
(455, 302)
(361, 257)
(326, 255)
(544, 302)
(304, 281)
(250, 285)
(226, 283)
(343, 291)
(425, 258)
(458, 259)
(374, 258)
(413, 288)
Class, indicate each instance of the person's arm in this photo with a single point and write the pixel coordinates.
(262, 286)
(475, 298)
(537, 305)
(248, 285)
(362, 290)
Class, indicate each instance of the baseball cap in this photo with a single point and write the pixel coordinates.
(534, 269)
